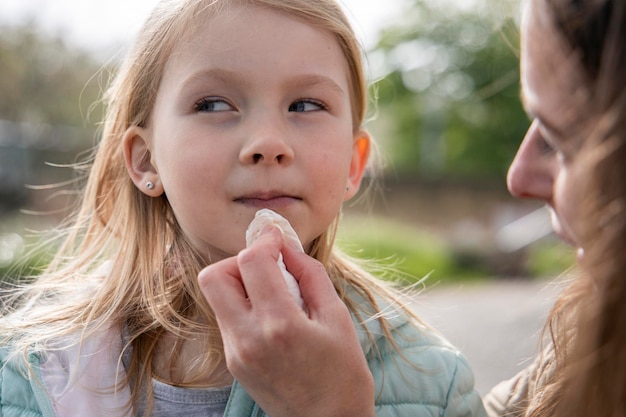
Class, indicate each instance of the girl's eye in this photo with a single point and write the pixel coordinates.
(306, 106)
(212, 105)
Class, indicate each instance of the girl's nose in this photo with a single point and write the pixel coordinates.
(267, 145)
(531, 175)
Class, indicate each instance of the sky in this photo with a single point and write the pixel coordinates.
(98, 25)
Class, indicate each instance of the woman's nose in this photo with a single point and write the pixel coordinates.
(532, 172)
(267, 144)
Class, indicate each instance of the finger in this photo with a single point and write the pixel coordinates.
(223, 289)
(316, 287)
(261, 276)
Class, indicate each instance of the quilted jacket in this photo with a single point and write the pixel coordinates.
(427, 378)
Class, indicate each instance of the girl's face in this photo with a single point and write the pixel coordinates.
(253, 112)
(548, 164)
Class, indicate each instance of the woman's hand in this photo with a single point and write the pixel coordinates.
(293, 363)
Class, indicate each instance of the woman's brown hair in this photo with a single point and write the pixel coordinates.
(588, 323)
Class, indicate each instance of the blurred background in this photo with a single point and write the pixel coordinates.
(445, 111)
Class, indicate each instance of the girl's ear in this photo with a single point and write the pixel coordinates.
(360, 156)
(138, 159)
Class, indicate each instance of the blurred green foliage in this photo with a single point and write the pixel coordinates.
(550, 258)
(27, 265)
(401, 252)
(448, 105)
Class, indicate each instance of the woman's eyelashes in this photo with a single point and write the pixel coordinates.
(548, 138)
(549, 145)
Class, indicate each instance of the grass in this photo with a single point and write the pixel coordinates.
(399, 251)
(549, 258)
(415, 253)
(29, 264)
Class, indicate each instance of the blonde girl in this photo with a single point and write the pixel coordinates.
(222, 108)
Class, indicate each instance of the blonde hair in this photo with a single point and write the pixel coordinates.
(151, 288)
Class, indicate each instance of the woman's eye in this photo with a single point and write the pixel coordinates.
(544, 146)
(306, 106)
(545, 142)
(550, 147)
(212, 105)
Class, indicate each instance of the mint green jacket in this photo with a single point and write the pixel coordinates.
(427, 378)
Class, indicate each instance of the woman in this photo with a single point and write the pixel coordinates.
(574, 159)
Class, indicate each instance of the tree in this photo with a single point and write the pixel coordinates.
(449, 103)
(47, 93)
(44, 81)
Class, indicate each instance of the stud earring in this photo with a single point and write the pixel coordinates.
(149, 185)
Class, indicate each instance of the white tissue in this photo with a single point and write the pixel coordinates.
(263, 218)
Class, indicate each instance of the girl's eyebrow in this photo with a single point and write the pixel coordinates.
(216, 74)
(233, 78)
(315, 80)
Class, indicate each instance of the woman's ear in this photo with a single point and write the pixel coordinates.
(360, 156)
(138, 159)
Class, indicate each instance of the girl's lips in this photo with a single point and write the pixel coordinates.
(275, 202)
